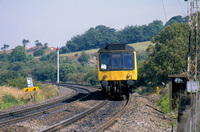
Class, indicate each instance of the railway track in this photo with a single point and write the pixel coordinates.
(19, 115)
(109, 122)
(69, 120)
(81, 115)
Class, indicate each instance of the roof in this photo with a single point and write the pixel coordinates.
(183, 75)
(111, 47)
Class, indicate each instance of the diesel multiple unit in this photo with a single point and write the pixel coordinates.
(117, 69)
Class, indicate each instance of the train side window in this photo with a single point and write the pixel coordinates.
(116, 61)
(128, 60)
(105, 61)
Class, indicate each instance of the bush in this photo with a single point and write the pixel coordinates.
(164, 103)
(8, 100)
(39, 52)
(84, 57)
(19, 82)
(5, 77)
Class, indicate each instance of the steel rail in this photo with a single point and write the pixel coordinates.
(108, 123)
(37, 106)
(43, 112)
(69, 121)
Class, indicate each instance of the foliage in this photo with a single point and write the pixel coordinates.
(8, 100)
(4, 57)
(18, 54)
(16, 66)
(164, 103)
(168, 56)
(45, 45)
(52, 57)
(91, 77)
(25, 42)
(64, 50)
(93, 38)
(177, 19)
(39, 52)
(45, 72)
(66, 69)
(6, 76)
(101, 35)
(5, 46)
(84, 57)
(19, 82)
(37, 43)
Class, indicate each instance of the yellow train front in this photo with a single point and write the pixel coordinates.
(117, 69)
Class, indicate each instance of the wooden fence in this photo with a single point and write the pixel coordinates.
(188, 113)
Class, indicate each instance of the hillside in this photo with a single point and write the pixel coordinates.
(140, 46)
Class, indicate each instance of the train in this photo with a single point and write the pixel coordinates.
(117, 69)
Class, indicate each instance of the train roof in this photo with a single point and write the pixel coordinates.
(111, 47)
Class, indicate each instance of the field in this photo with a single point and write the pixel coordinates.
(140, 46)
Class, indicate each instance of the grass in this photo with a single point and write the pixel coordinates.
(164, 104)
(140, 46)
(10, 96)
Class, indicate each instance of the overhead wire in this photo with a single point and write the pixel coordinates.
(164, 10)
(181, 7)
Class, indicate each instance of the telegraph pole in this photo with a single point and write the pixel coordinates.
(190, 32)
(196, 36)
(58, 79)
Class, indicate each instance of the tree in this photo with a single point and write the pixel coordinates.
(39, 52)
(25, 42)
(168, 56)
(18, 54)
(64, 50)
(84, 57)
(5, 46)
(45, 45)
(37, 43)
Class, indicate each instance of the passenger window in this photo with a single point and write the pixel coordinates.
(128, 61)
(116, 61)
(105, 61)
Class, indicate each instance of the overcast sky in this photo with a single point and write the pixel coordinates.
(56, 21)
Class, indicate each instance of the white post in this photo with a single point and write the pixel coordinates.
(58, 66)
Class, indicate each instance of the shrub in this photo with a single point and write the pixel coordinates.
(84, 57)
(19, 82)
(164, 103)
(39, 52)
(8, 100)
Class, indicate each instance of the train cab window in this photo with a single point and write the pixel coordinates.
(116, 61)
(105, 61)
(128, 60)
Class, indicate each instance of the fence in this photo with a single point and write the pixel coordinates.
(188, 117)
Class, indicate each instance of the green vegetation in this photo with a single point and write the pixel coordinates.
(102, 35)
(9, 100)
(39, 52)
(164, 103)
(165, 54)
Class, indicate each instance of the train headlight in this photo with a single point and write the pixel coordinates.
(128, 75)
(104, 77)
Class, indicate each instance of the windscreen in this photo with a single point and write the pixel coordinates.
(105, 61)
(128, 60)
(116, 61)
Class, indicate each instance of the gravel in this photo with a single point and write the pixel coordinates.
(140, 116)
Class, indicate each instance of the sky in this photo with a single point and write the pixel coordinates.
(57, 21)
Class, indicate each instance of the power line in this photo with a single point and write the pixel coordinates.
(181, 7)
(164, 10)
